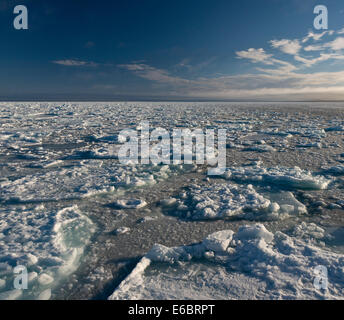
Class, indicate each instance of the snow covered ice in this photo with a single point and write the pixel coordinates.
(294, 178)
(76, 217)
(250, 264)
(226, 200)
(49, 243)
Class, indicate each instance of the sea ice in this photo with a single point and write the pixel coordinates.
(130, 204)
(89, 178)
(48, 242)
(122, 230)
(253, 263)
(291, 178)
(220, 201)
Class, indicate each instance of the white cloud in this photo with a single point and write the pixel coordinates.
(255, 55)
(323, 57)
(287, 46)
(316, 36)
(268, 82)
(274, 78)
(337, 44)
(154, 74)
(314, 48)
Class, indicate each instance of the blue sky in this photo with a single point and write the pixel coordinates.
(188, 50)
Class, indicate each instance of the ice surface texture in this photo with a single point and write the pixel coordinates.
(221, 201)
(253, 263)
(291, 178)
(48, 243)
(55, 155)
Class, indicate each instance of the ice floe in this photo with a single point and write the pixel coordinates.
(221, 201)
(253, 263)
(130, 204)
(291, 178)
(49, 243)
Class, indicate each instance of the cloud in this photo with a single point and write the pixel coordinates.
(314, 48)
(336, 45)
(74, 63)
(255, 55)
(268, 82)
(287, 46)
(316, 36)
(294, 76)
(321, 58)
(154, 74)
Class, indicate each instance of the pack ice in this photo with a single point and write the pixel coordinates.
(252, 263)
(87, 178)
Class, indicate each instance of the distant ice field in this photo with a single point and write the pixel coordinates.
(86, 226)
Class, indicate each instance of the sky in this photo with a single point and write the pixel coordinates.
(265, 50)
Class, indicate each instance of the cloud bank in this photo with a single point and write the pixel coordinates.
(310, 68)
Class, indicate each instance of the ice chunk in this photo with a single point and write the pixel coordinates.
(122, 230)
(134, 278)
(309, 231)
(294, 178)
(168, 202)
(45, 279)
(224, 200)
(130, 204)
(257, 231)
(218, 241)
(165, 254)
(220, 201)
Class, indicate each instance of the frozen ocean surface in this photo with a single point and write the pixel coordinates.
(250, 264)
(88, 227)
